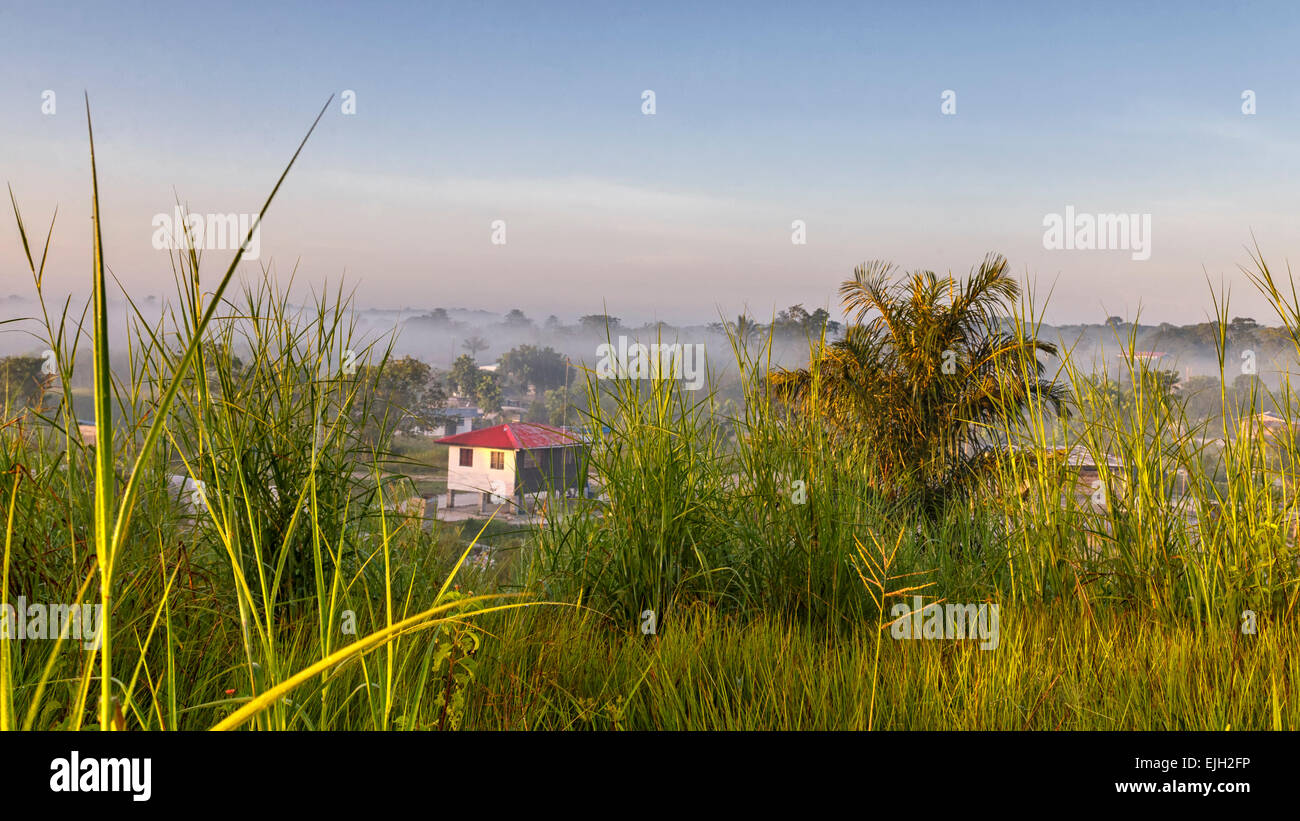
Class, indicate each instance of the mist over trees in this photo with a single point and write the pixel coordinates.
(536, 358)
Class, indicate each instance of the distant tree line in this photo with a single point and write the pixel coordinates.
(795, 320)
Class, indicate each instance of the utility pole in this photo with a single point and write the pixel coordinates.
(566, 393)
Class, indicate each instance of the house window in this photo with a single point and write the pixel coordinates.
(498, 460)
(467, 457)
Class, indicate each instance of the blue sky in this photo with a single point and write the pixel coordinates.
(765, 113)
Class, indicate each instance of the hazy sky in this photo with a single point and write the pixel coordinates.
(765, 113)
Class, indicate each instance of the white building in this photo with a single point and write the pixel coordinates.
(512, 460)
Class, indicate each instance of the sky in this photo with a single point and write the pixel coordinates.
(830, 114)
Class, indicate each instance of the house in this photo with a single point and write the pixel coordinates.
(1088, 467)
(513, 412)
(1268, 428)
(86, 427)
(458, 420)
(1091, 482)
(1083, 469)
(514, 460)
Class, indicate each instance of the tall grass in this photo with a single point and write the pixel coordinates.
(1183, 519)
(288, 519)
(1056, 668)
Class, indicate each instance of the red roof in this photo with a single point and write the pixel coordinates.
(514, 436)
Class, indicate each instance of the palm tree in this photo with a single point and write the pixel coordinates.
(474, 344)
(924, 375)
(744, 329)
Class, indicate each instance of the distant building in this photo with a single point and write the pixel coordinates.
(513, 412)
(1086, 469)
(1268, 428)
(514, 460)
(1081, 458)
(1090, 477)
(86, 427)
(458, 421)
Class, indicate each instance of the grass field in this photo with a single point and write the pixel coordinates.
(1055, 668)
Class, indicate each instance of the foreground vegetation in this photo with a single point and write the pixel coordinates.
(1056, 668)
(242, 519)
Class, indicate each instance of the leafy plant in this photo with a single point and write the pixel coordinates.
(921, 379)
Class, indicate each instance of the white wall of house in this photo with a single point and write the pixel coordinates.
(480, 476)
